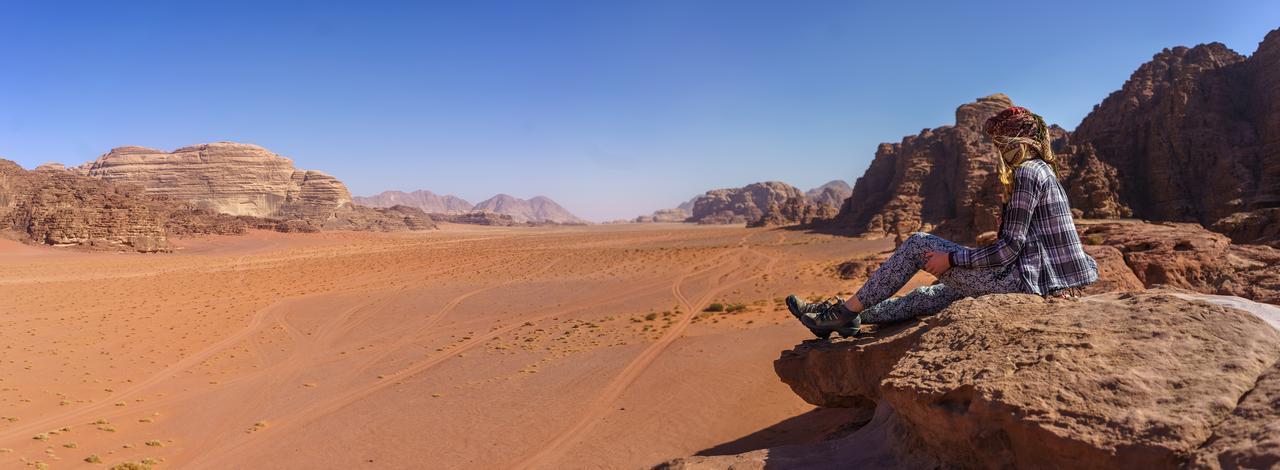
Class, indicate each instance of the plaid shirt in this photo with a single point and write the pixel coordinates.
(1037, 232)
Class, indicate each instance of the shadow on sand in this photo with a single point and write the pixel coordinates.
(818, 425)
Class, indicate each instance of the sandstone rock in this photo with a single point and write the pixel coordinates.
(427, 201)
(1132, 381)
(1185, 255)
(1123, 380)
(1113, 274)
(1185, 146)
(536, 209)
(665, 216)
(60, 208)
(942, 180)
(225, 177)
(1250, 437)
(833, 193)
(758, 204)
(252, 185)
(1260, 226)
(476, 218)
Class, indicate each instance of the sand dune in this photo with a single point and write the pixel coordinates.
(468, 347)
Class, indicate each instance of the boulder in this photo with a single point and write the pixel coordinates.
(1122, 380)
(1186, 255)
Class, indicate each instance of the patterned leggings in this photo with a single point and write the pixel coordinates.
(955, 284)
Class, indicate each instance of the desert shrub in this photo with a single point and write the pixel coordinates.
(93, 458)
(715, 307)
(734, 308)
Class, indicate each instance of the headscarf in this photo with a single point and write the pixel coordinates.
(1014, 131)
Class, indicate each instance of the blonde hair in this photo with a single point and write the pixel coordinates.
(1014, 151)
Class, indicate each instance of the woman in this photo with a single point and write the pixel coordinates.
(1037, 250)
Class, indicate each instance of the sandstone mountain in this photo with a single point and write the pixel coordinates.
(942, 180)
(1158, 379)
(833, 193)
(1192, 136)
(665, 215)
(758, 204)
(426, 200)
(538, 209)
(248, 181)
(226, 177)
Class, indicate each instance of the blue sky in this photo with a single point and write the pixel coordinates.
(611, 108)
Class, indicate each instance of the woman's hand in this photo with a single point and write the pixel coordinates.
(937, 262)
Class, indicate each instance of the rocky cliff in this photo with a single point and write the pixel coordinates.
(225, 177)
(426, 200)
(1192, 136)
(249, 182)
(941, 180)
(1126, 380)
(758, 204)
(832, 193)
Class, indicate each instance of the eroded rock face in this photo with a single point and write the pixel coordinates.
(942, 180)
(758, 204)
(1260, 226)
(59, 208)
(1122, 380)
(665, 216)
(833, 193)
(225, 177)
(1179, 132)
(476, 218)
(1187, 256)
(1128, 381)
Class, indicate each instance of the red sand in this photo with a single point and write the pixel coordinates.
(471, 347)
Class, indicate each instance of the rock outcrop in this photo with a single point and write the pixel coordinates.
(475, 218)
(941, 180)
(55, 207)
(249, 183)
(1187, 256)
(758, 204)
(665, 215)
(832, 193)
(1122, 380)
(1195, 134)
(225, 177)
(538, 209)
(427, 201)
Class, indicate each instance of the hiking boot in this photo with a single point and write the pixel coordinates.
(823, 318)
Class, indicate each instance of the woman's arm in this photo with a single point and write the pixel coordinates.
(1027, 186)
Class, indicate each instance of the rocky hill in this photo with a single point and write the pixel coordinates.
(248, 181)
(538, 209)
(941, 180)
(426, 200)
(225, 177)
(758, 204)
(1192, 136)
(833, 193)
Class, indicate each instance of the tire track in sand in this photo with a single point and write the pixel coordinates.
(603, 403)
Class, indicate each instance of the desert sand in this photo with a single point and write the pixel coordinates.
(466, 347)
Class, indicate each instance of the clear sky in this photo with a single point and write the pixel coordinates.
(612, 108)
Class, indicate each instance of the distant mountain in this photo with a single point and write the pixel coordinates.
(537, 209)
(421, 199)
(833, 193)
(757, 205)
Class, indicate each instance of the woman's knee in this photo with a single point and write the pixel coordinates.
(919, 239)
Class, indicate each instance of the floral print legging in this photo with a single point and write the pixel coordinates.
(955, 284)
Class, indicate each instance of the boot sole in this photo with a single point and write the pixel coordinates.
(848, 331)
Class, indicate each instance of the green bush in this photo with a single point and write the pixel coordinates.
(716, 307)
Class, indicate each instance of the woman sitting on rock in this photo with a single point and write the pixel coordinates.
(1037, 249)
